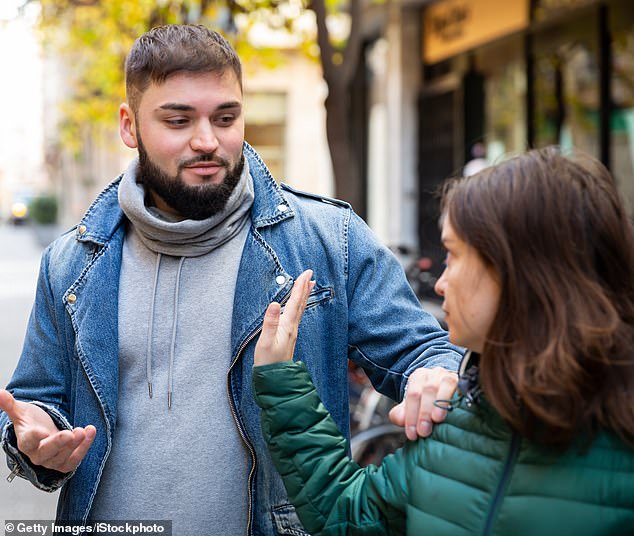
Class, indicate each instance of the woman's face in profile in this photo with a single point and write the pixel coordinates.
(470, 290)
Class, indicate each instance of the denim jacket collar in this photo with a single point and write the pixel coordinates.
(104, 216)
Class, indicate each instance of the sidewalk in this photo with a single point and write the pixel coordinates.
(19, 263)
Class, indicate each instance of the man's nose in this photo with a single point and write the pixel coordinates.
(204, 139)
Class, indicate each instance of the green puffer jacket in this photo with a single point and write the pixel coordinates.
(472, 476)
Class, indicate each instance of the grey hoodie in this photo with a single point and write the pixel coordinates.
(177, 454)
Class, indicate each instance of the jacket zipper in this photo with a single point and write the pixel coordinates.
(234, 413)
(511, 458)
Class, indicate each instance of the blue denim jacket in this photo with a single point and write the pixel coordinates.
(361, 308)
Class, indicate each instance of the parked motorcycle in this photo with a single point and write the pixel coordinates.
(373, 436)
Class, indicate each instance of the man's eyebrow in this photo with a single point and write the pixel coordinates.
(188, 108)
(177, 107)
(230, 104)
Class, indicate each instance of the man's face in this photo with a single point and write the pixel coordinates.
(189, 131)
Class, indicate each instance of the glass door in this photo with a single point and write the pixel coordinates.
(622, 94)
(566, 86)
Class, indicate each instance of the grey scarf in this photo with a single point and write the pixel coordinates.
(186, 238)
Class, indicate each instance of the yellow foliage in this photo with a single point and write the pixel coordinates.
(92, 38)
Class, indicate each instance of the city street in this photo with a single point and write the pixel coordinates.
(19, 261)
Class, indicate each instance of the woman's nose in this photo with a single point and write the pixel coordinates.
(439, 287)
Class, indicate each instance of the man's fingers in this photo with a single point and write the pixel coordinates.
(29, 440)
(418, 406)
(39, 438)
(69, 459)
(51, 447)
(424, 422)
(26, 418)
(397, 414)
(417, 412)
(446, 389)
(65, 450)
(8, 405)
(77, 455)
(412, 404)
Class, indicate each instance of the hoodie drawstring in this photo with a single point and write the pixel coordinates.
(174, 324)
(148, 356)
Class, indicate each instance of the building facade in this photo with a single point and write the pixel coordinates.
(497, 77)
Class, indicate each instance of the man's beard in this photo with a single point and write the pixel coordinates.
(192, 202)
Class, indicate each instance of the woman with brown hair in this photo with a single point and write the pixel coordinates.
(539, 438)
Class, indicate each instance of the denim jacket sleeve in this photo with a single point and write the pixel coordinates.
(390, 335)
(40, 378)
(20, 465)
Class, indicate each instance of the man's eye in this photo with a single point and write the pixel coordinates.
(178, 122)
(225, 120)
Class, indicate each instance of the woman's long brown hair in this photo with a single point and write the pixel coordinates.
(559, 359)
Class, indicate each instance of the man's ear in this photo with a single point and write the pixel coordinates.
(127, 126)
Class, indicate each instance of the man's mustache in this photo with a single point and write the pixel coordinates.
(203, 158)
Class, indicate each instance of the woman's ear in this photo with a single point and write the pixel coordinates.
(127, 126)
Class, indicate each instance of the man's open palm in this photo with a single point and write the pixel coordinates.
(39, 438)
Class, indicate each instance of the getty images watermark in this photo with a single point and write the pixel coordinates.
(103, 528)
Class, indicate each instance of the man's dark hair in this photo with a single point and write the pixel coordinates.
(166, 50)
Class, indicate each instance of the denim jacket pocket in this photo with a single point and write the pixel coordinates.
(318, 296)
(286, 521)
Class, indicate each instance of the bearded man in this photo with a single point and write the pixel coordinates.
(133, 392)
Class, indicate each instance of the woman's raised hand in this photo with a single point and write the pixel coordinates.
(279, 331)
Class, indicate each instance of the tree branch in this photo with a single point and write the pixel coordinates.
(353, 46)
(235, 7)
(342, 74)
(323, 40)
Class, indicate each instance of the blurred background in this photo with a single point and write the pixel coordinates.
(372, 101)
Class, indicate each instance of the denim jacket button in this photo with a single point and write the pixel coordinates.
(282, 208)
(72, 298)
(81, 229)
(280, 279)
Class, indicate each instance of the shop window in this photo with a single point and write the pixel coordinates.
(546, 9)
(566, 78)
(438, 160)
(265, 128)
(622, 89)
(504, 70)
